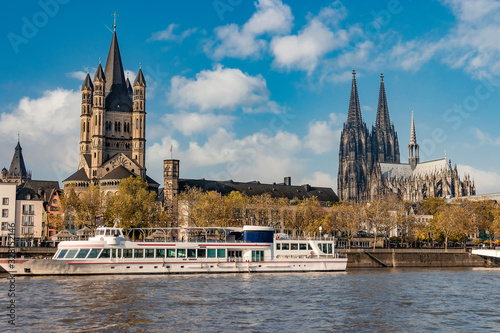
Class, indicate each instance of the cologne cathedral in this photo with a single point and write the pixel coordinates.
(369, 163)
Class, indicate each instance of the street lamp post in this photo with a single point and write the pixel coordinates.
(320, 230)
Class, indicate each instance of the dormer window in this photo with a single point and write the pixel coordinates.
(28, 196)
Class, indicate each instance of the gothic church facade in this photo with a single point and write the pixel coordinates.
(369, 162)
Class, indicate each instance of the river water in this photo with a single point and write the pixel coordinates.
(377, 300)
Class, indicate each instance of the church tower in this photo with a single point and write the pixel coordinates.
(355, 153)
(413, 150)
(139, 121)
(384, 137)
(86, 115)
(113, 126)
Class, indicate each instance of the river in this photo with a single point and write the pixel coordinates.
(376, 300)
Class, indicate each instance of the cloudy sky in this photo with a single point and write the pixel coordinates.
(248, 90)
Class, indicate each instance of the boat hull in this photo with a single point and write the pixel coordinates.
(30, 267)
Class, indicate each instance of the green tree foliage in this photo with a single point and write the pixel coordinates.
(134, 205)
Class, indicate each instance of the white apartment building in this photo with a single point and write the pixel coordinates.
(8, 207)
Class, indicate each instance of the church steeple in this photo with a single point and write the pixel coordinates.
(383, 120)
(354, 115)
(413, 149)
(115, 77)
(384, 136)
(17, 168)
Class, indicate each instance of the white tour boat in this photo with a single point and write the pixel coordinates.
(241, 250)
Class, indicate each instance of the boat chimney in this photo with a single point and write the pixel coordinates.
(288, 181)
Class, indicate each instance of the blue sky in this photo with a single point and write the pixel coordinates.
(258, 90)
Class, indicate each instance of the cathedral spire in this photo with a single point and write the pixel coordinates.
(354, 115)
(383, 120)
(413, 136)
(413, 149)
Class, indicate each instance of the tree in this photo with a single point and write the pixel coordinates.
(309, 215)
(453, 221)
(379, 219)
(433, 205)
(348, 218)
(134, 205)
(84, 209)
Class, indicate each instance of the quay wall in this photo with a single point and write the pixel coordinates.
(364, 258)
(357, 258)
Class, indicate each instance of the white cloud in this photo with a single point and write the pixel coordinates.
(321, 137)
(189, 123)
(411, 55)
(49, 132)
(80, 75)
(258, 156)
(485, 181)
(321, 179)
(169, 35)
(221, 88)
(485, 138)
(271, 17)
(304, 50)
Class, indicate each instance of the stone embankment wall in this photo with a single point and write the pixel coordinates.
(367, 258)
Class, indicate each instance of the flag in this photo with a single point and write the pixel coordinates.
(170, 148)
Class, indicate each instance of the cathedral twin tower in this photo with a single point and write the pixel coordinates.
(369, 163)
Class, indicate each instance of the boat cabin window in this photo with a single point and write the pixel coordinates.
(221, 253)
(191, 253)
(105, 254)
(138, 253)
(82, 253)
(285, 246)
(181, 253)
(127, 253)
(211, 253)
(294, 246)
(303, 246)
(160, 253)
(71, 254)
(234, 254)
(93, 253)
(257, 255)
(202, 253)
(170, 253)
(150, 253)
(278, 246)
(62, 253)
(116, 253)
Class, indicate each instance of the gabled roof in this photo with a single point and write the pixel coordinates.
(42, 188)
(118, 173)
(255, 188)
(80, 175)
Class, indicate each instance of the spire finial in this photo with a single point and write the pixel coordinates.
(382, 76)
(88, 69)
(114, 20)
(353, 73)
(18, 137)
(140, 65)
(99, 60)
